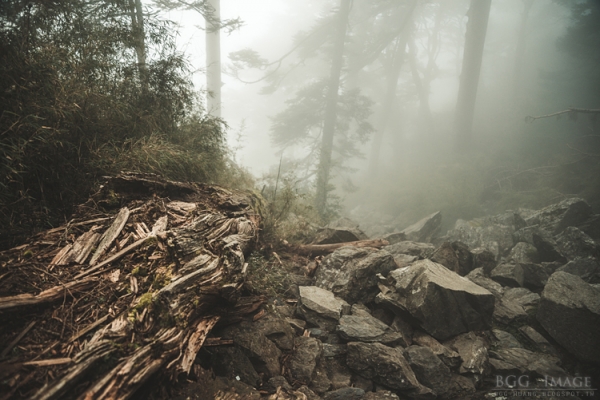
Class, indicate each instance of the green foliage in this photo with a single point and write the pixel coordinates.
(74, 108)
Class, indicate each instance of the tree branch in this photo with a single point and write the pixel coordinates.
(571, 111)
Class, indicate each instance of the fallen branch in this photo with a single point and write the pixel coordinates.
(318, 249)
(571, 111)
(49, 295)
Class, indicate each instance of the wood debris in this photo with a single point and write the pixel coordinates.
(98, 296)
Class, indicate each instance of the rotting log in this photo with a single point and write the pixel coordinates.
(320, 249)
(193, 263)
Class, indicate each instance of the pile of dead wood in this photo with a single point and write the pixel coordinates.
(131, 286)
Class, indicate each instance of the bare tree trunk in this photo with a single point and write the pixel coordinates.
(330, 109)
(213, 60)
(469, 78)
(393, 72)
(520, 52)
(137, 23)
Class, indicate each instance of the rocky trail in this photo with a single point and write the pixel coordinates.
(155, 289)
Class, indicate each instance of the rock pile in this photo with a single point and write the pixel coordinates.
(510, 295)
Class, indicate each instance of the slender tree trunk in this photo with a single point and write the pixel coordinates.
(213, 60)
(330, 109)
(520, 52)
(388, 101)
(425, 121)
(469, 78)
(137, 23)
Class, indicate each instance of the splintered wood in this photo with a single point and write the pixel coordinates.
(112, 300)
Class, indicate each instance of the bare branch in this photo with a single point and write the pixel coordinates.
(571, 111)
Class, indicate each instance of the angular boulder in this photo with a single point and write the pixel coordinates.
(524, 253)
(574, 243)
(556, 217)
(340, 231)
(384, 365)
(320, 307)
(473, 351)
(407, 247)
(478, 277)
(429, 369)
(455, 256)
(448, 356)
(444, 303)
(508, 275)
(304, 360)
(351, 273)
(425, 229)
(569, 311)
(587, 269)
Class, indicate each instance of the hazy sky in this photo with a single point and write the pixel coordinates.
(269, 26)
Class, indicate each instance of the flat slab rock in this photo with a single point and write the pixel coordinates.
(569, 311)
(321, 307)
(425, 229)
(444, 303)
(351, 273)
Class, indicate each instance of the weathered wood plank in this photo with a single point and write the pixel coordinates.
(111, 234)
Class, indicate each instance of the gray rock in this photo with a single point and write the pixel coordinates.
(416, 249)
(523, 297)
(591, 227)
(526, 362)
(394, 237)
(425, 229)
(537, 340)
(477, 276)
(260, 350)
(455, 256)
(310, 395)
(444, 303)
(574, 243)
(547, 248)
(587, 269)
(508, 312)
(404, 328)
(304, 359)
(404, 260)
(524, 253)
(382, 364)
(334, 349)
(351, 273)
(277, 330)
(508, 275)
(340, 231)
(535, 275)
(448, 356)
(505, 340)
(483, 259)
(569, 311)
(275, 383)
(320, 307)
(381, 395)
(473, 351)
(320, 382)
(556, 217)
(461, 387)
(366, 328)
(494, 234)
(232, 362)
(347, 393)
(429, 369)
(298, 324)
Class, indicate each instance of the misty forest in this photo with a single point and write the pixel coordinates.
(325, 199)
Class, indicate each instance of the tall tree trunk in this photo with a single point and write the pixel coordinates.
(330, 109)
(393, 72)
(520, 52)
(425, 121)
(137, 24)
(479, 13)
(213, 60)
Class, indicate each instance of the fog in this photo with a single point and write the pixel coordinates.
(419, 165)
